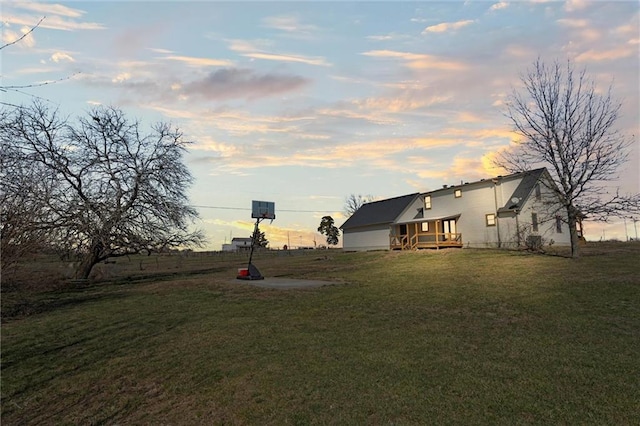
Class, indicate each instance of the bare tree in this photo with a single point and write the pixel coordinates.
(354, 202)
(568, 126)
(113, 190)
(22, 203)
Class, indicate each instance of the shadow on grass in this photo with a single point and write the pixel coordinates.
(33, 303)
(162, 276)
(49, 302)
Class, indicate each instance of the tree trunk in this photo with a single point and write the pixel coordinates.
(89, 260)
(573, 232)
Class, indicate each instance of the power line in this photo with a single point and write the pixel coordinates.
(280, 210)
(220, 208)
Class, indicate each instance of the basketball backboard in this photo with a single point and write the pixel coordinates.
(263, 210)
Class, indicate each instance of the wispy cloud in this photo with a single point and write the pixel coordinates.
(54, 22)
(123, 76)
(236, 123)
(447, 26)
(62, 57)
(289, 24)
(288, 58)
(462, 168)
(469, 117)
(574, 23)
(585, 31)
(499, 5)
(10, 36)
(395, 104)
(574, 5)
(249, 49)
(199, 62)
(623, 51)
(50, 9)
(418, 61)
(519, 51)
(388, 37)
(348, 113)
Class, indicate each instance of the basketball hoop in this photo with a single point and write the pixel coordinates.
(263, 210)
(260, 210)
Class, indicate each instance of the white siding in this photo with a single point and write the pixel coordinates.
(370, 238)
(546, 221)
(476, 201)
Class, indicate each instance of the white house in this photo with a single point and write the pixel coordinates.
(238, 244)
(502, 212)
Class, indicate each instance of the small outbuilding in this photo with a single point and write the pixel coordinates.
(238, 244)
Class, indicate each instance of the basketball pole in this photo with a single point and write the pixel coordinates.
(253, 240)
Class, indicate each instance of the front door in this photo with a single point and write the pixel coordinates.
(448, 228)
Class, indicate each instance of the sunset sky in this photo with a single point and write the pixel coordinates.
(303, 103)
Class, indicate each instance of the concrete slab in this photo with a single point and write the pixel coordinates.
(285, 283)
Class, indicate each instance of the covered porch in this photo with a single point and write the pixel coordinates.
(425, 234)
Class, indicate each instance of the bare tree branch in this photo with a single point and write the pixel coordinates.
(354, 202)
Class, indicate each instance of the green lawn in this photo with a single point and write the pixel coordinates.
(435, 337)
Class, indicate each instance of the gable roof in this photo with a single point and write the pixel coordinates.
(241, 239)
(524, 189)
(379, 212)
(387, 211)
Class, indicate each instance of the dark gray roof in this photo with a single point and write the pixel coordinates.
(387, 211)
(379, 212)
(524, 189)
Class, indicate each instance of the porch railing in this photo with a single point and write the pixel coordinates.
(425, 240)
(399, 242)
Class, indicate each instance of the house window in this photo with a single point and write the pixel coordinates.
(534, 222)
(559, 224)
(491, 219)
(425, 226)
(403, 229)
(538, 193)
(457, 193)
(427, 202)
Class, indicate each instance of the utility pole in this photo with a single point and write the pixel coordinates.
(626, 234)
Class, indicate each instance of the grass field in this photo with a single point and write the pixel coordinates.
(431, 337)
